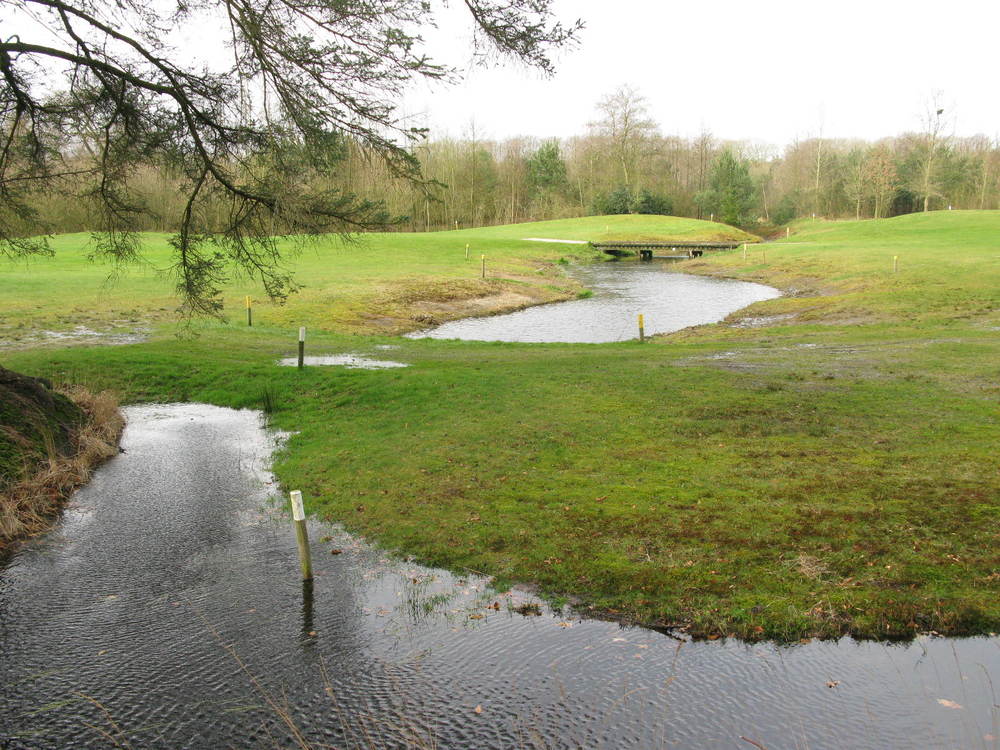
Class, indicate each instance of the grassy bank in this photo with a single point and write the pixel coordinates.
(50, 442)
(822, 463)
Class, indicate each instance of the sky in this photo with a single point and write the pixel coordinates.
(770, 71)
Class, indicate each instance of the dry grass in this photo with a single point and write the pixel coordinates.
(27, 508)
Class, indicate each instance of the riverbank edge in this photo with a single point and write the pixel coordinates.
(31, 505)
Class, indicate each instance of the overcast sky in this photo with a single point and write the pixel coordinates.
(769, 71)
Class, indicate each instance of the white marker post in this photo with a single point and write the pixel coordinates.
(301, 535)
(302, 346)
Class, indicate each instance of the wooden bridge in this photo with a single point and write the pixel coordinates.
(645, 250)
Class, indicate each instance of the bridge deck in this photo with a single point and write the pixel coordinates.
(664, 245)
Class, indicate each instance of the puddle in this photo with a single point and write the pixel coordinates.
(350, 361)
(81, 335)
(166, 610)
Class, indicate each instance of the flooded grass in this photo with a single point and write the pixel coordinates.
(203, 635)
(680, 482)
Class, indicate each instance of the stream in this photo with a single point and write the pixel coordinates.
(621, 291)
(166, 610)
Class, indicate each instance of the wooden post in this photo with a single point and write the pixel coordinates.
(249, 312)
(301, 535)
(642, 331)
(302, 346)
(484, 266)
(744, 252)
(466, 251)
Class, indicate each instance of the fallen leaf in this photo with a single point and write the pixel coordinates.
(312, 633)
(618, 640)
(949, 704)
(478, 709)
(476, 617)
(565, 624)
(102, 652)
(832, 683)
(336, 551)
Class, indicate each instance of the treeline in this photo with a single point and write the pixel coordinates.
(623, 164)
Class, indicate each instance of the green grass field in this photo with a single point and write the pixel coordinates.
(379, 284)
(820, 464)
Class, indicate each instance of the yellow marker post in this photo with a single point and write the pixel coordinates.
(466, 252)
(642, 331)
(895, 263)
(484, 266)
(249, 312)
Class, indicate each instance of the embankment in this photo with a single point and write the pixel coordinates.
(50, 441)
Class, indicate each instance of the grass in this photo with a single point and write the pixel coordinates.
(383, 283)
(824, 463)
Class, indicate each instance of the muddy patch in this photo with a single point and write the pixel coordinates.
(762, 321)
(419, 304)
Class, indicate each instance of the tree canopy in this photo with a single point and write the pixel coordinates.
(99, 89)
(731, 194)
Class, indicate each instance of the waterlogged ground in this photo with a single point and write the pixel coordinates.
(166, 611)
(621, 292)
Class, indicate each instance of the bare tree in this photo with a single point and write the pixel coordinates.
(934, 139)
(305, 75)
(626, 125)
(881, 178)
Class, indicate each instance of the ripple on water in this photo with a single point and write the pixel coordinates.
(169, 601)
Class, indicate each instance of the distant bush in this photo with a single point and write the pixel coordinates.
(653, 203)
(785, 211)
(623, 201)
(618, 201)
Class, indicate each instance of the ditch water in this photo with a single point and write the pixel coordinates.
(165, 611)
(668, 301)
